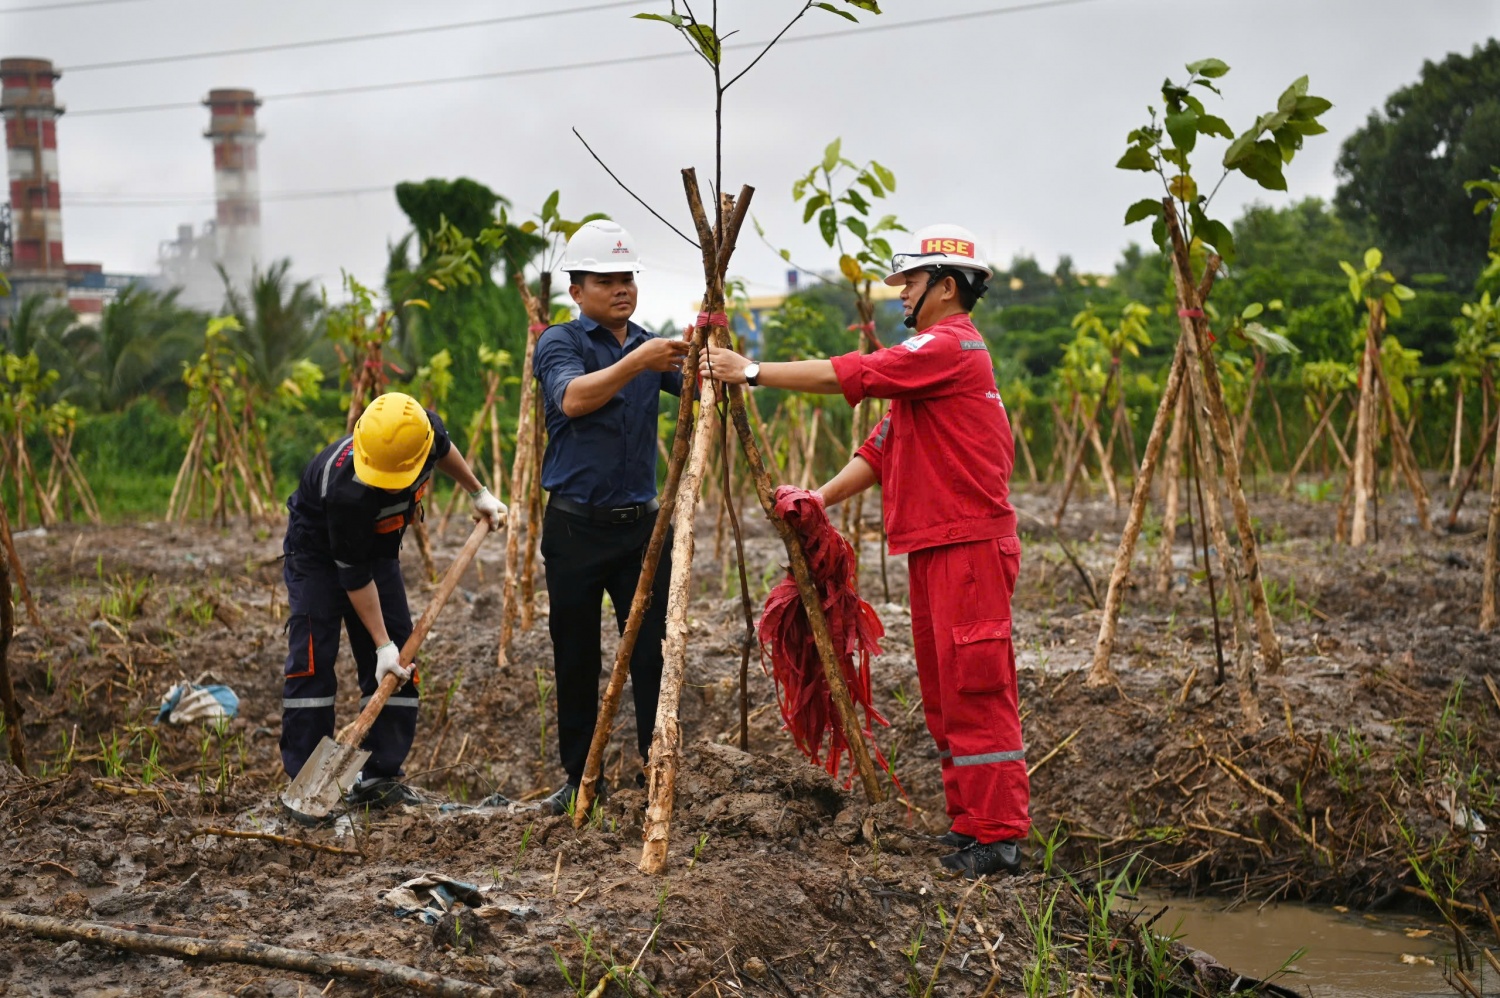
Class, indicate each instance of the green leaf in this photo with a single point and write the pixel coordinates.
(1159, 232)
(1183, 127)
(1268, 340)
(1210, 68)
(870, 5)
(1240, 149)
(786, 255)
(1251, 310)
(873, 184)
(708, 42)
(549, 207)
(831, 155)
(813, 204)
(828, 221)
(1392, 305)
(675, 20)
(799, 188)
(1373, 257)
(1288, 142)
(853, 197)
(1209, 124)
(857, 226)
(1402, 292)
(887, 178)
(1306, 127)
(528, 227)
(1311, 107)
(1348, 268)
(1183, 187)
(880, 249)
(1143, 209)
(1263, 166)
(1214, 233)
(1136, 158)
(834, 10)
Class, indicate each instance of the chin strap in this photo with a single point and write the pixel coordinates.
(910, 322)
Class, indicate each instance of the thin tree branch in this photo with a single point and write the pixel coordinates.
(633, 194)
(805, 8)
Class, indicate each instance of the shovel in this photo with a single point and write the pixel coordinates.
(330, 771)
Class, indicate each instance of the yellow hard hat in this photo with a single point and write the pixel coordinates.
(391, 441)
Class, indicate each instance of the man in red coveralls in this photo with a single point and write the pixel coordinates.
(942, 456)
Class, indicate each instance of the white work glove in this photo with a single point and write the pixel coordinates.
(488, 507)
(388, 663)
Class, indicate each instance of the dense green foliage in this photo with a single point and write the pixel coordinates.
(1402, 174)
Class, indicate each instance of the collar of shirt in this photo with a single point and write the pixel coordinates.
(596, 330)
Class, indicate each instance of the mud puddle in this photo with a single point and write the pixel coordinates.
(1347, 955)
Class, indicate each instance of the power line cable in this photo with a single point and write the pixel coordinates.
(45, 7)
(345, 39)
(592, 64)
(105, 200)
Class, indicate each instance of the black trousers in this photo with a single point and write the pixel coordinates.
(319, 607)
(584, 560)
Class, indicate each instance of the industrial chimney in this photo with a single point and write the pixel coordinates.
(30, 110)
(231, 129)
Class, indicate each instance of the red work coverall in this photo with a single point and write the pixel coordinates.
(943, 455)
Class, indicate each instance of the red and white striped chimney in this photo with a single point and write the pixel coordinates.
(232, 131)
(30, 110)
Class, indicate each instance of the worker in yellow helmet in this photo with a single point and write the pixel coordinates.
(343, 538)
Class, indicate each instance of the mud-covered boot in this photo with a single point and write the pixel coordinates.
(381, 792)
(981, 858)
(956, 840)
(563, 798)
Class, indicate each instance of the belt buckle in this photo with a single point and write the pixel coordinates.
(624, 514)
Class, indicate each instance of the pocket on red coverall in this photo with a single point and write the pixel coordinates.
(981, 650)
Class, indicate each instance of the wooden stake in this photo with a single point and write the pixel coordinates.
(8, 703)
(1487, 609)
(609, 705)
(379, 972)
(1209, 393)
(1171, 474)
(1367, 415)
(519, 482)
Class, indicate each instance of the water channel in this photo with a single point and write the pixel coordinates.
(1349, 955)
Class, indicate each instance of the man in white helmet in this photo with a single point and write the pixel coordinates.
(942, 456)
(602, 377)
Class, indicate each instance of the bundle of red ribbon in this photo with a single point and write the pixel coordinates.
(787, 639)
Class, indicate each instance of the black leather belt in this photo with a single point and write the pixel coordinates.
(603, 514)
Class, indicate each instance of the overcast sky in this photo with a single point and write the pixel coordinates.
(1007, 124)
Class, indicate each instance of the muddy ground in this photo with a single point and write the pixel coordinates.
(1360, 776)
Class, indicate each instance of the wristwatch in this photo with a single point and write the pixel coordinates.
(751, 373)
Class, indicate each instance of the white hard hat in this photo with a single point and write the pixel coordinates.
(601, 247)
(940, 245)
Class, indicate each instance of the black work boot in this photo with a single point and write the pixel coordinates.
(981, 858)
(956, 840)
(379, 792)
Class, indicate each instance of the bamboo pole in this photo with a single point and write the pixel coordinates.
(1473, 473)
(17, 569)
(1405, 460)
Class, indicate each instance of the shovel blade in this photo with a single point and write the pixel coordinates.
(327, 775)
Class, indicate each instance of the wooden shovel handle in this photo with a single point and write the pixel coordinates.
(355, 733)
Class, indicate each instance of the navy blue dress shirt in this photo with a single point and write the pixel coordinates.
(607, 457)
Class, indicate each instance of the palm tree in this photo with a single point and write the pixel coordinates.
(44, 325)
(137, 348)
(280, 324)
